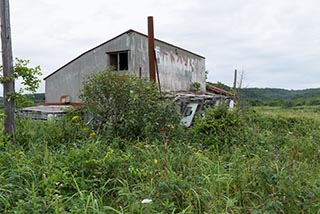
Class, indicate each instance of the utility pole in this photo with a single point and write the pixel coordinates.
(235, 86)
(8, 83)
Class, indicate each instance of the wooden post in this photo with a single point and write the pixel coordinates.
(235, 86)
(8, 84)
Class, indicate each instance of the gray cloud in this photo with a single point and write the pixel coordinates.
(275, 43)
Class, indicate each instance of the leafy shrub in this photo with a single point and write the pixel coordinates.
(126, 105)
(220, 127)
(29, 78)
(195, 86)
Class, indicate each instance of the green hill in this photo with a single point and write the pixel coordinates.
(281, 97)
(277, 94)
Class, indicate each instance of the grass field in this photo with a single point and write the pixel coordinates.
(263, 160)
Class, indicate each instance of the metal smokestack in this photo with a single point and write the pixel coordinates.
(152, 69)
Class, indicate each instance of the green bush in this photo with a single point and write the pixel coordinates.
(126, 105)
(220, 128)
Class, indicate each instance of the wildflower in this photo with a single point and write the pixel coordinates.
(57, 195)
(170, 126)
(155, 161)
(92, 134)
(194, 149)
(75, 118)
(59, 184)
(277, 156)
(146, 201)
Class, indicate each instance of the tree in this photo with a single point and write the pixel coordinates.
(30, 81)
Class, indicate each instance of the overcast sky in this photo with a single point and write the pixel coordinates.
(276, 43)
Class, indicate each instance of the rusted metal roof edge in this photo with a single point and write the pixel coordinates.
(218, 90)
(127, 32)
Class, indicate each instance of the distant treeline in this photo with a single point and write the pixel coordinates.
(275, 96)
(34, 98)
(250, 96)
(280, 97)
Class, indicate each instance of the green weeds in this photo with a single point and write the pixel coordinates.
(229, 162)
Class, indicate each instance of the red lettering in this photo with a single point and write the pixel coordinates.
(172, 57)
(185, 61)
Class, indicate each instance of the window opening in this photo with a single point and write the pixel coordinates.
(119, 60)
(123, 61)
(114, 60)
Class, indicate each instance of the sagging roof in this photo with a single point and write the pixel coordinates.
(217, 90)
(127, 32)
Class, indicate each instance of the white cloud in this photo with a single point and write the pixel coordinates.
(276, 43)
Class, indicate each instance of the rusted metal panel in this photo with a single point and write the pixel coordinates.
(217, 90)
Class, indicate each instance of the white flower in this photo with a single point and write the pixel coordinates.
(146, 201)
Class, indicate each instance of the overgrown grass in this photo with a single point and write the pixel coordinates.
(261, 161)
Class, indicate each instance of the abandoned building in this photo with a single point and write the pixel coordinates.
(178, 68)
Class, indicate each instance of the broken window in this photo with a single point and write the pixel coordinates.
(119, 60)
(114, 60)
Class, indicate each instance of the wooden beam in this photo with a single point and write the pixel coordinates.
(8, 84)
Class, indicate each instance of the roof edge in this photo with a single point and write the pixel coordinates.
(126, 32)
(158, 40)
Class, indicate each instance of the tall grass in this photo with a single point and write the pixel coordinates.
(243, 162)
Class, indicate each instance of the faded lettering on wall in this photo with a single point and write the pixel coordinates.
(170, 57)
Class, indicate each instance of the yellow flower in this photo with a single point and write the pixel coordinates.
(155, 161)
(75, 118)
(194, 149)
(92, 134)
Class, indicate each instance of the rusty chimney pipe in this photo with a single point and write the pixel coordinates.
(152, 69)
